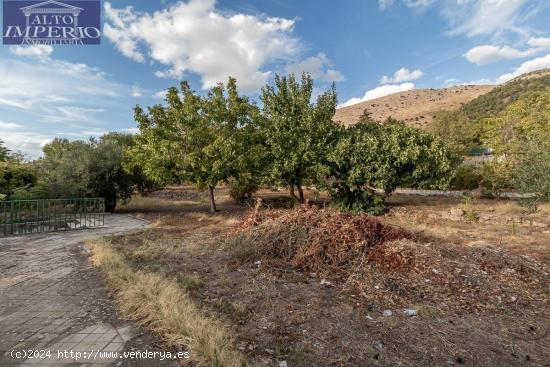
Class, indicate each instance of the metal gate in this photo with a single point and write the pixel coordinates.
(49, 215)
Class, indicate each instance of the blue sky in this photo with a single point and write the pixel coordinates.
(368, 47)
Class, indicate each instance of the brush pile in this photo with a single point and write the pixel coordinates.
(312, 239)
(384, 264)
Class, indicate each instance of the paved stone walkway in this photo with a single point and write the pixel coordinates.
(52, 300)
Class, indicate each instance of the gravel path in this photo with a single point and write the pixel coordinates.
(52, 301)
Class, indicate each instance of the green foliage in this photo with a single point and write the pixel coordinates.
(371, 160)
(456, 128)
(4, 152)
(16, 180)
(243, 188)
(466, 177)
(526, 120)
(467, 127)
(497, 100)
(298, 133)
(469, 205)
(497, 177)
(205, 140)
(92, 168)
(533, 169)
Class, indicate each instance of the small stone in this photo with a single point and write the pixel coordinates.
(410, 312)
(258, 263)
(283, 364)
(379, 345)
(368, 317)
(326, 283)
(513, 299)
(387, 313)
(435, 271)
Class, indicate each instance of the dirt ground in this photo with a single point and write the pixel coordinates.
(476, 293)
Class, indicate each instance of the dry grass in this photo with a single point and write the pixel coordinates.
(162, 306)
(416, 107)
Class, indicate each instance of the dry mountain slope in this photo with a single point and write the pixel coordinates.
(416, 107)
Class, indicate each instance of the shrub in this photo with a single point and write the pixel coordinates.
(497, 177)
(370, 160)
(466, 177)
(242, 189)
(16, 180)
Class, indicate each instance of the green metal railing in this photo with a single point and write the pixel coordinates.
(50, 215)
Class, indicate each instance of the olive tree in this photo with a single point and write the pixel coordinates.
(91, 168)
(297, 132)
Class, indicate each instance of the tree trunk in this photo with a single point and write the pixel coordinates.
(301, 192)
(292, 194)
(213, 208)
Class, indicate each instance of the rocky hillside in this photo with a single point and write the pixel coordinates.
(416, 107)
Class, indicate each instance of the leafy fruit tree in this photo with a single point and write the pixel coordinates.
(371, 159)
(297, 132)
(92, 168)
(199, 139)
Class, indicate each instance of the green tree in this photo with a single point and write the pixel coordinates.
(200, 139)
(520, 135)
(533, 169)
(17, 180)
(371, 159)
(4, 152)
(92, 168)
(298, 133)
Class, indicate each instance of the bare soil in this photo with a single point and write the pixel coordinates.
(476, 275)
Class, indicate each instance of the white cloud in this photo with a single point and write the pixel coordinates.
(483, 17)
(39, 51)
(136, 91)
(29, 143)
(378, 92)
(487, 54)
(55, 90)
(318, 66)
(195, 37)
(539, 42)
(161, 94)
(527, 67)
(402, 75)
(410, 3)
(10, 125)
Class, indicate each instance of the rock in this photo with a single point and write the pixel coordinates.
(258, 263)
(379, 345)
(435, 271)
(387, 313)
(326, 283)
(283, 364)
(410, 312)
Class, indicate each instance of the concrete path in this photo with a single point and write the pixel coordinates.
(52, 303)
